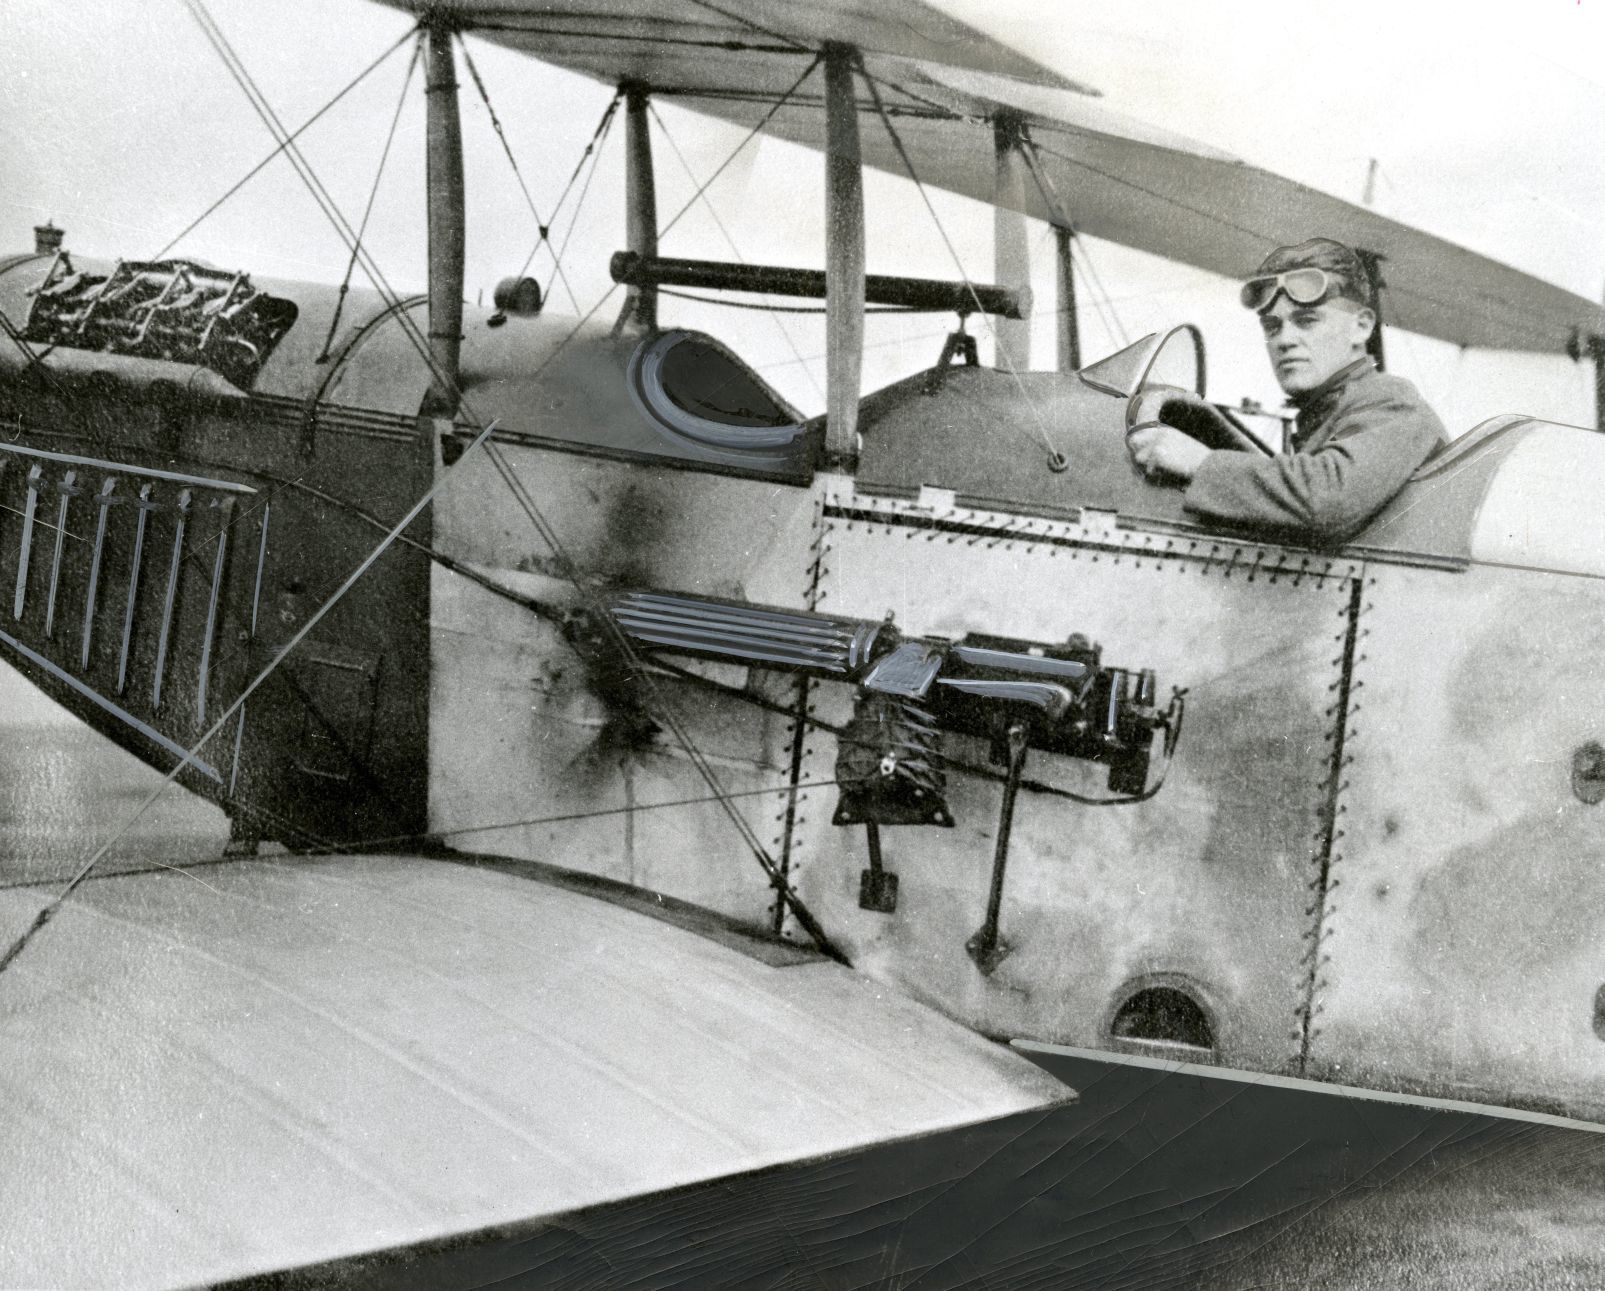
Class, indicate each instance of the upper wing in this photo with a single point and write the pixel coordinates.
(944, 83)
(727, 46)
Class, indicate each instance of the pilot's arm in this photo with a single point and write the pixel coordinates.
(1324, 492)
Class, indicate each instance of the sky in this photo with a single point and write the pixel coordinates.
(118, 122)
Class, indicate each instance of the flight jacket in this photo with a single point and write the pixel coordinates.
(1360, 435)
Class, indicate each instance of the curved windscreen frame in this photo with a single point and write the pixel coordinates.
(1176, 361)
(1121, 372)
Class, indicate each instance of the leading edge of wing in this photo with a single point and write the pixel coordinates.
(730, 44)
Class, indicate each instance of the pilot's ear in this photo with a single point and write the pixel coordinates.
(1365, 319)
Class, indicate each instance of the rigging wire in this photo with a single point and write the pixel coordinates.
(373, 193)
(596, 135)
(1102, 291)
(868, 345)
(512, 161)
(1002, 351)
(744, 21)
(785, 332)
(594, 151)
(598, 813)
(1101, 302)
(289, 139)
(49, 910)
(745, 140)
(20, 341)
(515, 486)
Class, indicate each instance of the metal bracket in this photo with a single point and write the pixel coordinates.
(957, 343)
(877, 887)
(986, 947)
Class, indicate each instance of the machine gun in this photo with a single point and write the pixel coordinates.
(890, 769)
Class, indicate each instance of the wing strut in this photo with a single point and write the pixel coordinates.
(844, 257)
(1591, 345)
(446, 219)
(1069, 334)
(1011, 252)
(641, 207)
(1372, 261)
(1596, 351)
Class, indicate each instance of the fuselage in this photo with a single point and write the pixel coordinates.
(1375, 855)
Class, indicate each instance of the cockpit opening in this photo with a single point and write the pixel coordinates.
(696, 391)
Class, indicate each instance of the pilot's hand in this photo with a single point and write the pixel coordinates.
(1164, 454)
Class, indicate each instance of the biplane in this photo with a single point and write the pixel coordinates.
(633, 780)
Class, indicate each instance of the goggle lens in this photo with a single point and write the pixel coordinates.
(1303, 287)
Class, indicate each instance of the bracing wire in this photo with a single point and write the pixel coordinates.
(507, 148)
(526, 502)
(1102, 292)
(713, 211)
(594, 151)
(597, 813)
(50, 909)
(1054, 455)
(1100, 306)
(288, 140)
(590, 147)
(745, 140)
(373, 193)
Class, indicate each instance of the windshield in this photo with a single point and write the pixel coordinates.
(1177, 361)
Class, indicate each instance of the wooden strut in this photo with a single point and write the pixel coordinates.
(640, 207)
(1372, 260)
(1596, 351)
(1011, 252)
(1068, 332)
(447, 222)
(844, 258)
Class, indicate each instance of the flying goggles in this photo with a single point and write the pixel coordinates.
(1303, 287)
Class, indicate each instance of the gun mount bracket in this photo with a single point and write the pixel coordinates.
(959, 343)
(877, 886)
(987, 947)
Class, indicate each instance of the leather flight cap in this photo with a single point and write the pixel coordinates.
(1341, 264)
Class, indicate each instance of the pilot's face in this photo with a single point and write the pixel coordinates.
(1308, 343)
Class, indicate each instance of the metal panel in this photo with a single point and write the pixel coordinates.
(519, 732)
(1208, 887)
(1461, 953)
(1542, 507)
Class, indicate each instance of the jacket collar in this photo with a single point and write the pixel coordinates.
(1310, 399)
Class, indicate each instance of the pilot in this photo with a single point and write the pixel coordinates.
(1360, 433)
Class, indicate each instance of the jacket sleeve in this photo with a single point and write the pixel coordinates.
(1325, 495)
